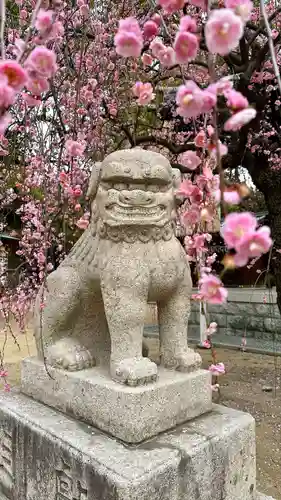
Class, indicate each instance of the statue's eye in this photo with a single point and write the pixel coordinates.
(120, 186)
(106, 185)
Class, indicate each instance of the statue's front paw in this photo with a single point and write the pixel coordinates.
(69, 355)
(134, 371)
(184, 361)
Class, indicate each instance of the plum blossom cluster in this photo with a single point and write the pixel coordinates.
(240, 233)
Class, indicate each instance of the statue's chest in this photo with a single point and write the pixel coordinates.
(167, 269)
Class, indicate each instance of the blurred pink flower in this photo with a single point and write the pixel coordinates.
(185, 188)
(191, 215)
(144, 92)
(200, 139)
(242, 8)
(12, 71)
(43, 61)
(31, 101)
(238, 120)
(171, 6)
(74, 148)
(212, 290)
(189, 100)
(190, 160)
(128, 39)
(253, 245)
(223, 31)
(236, 226)
(44, 20)
(147, 60)
(209, 101)
(196, 195)
(235, 100)
(202, 4)
(217, 369)
(167, 56)
(156, 46)
(7, 94)
(150, 29)
(82, 223)
(186, 47)
(207, 344)
(188, 23)
(36, 84)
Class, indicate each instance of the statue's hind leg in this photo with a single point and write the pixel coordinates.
(55, 319)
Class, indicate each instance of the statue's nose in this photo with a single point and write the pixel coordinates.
(136, 197)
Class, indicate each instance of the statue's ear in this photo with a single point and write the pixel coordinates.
(176, 184)
(94, 181)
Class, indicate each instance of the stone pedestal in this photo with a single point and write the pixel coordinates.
(46, 455)
(130, 414)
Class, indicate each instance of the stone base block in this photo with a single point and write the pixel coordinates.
(131, 414)
(45, 455)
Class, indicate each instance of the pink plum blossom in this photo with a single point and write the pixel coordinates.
(217, 369)
(190, 160)
(156, 46)
(196, 196)
(212, 289)
(236, 226)
(185, 188)
(212, 148)
(82, 223)
(200, 140)
(156, 19)
(207, 344)
(31, 101)
(242, 8)
(191, 215)
(150, 29)
(185, 46)
(231, 197)
(7, 94)
(189, 100)
(147, 60)
(44, 20)
(128, 39)
(171, 6)
(209, 101)
(188, 23)
(5, 121)
(235, 100)
(15, 74)
(167, 56)
(43, 61)
(223, 31)
(238, 120)
(74, 148)
(36, 84)
(253, 245)
(202, 4)
(144, 92)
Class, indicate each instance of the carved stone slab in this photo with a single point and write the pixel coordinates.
(58, 458)
(131, 414)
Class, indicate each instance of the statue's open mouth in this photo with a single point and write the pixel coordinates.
(130, 211)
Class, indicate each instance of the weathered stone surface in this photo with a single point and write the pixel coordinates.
(55, 458)
(132, 414)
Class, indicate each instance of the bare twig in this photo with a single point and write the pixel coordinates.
(2, 29)
(271, 44)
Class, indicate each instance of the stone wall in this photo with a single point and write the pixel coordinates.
(253, 310)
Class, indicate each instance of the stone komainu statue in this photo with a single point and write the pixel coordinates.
(95, 302)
